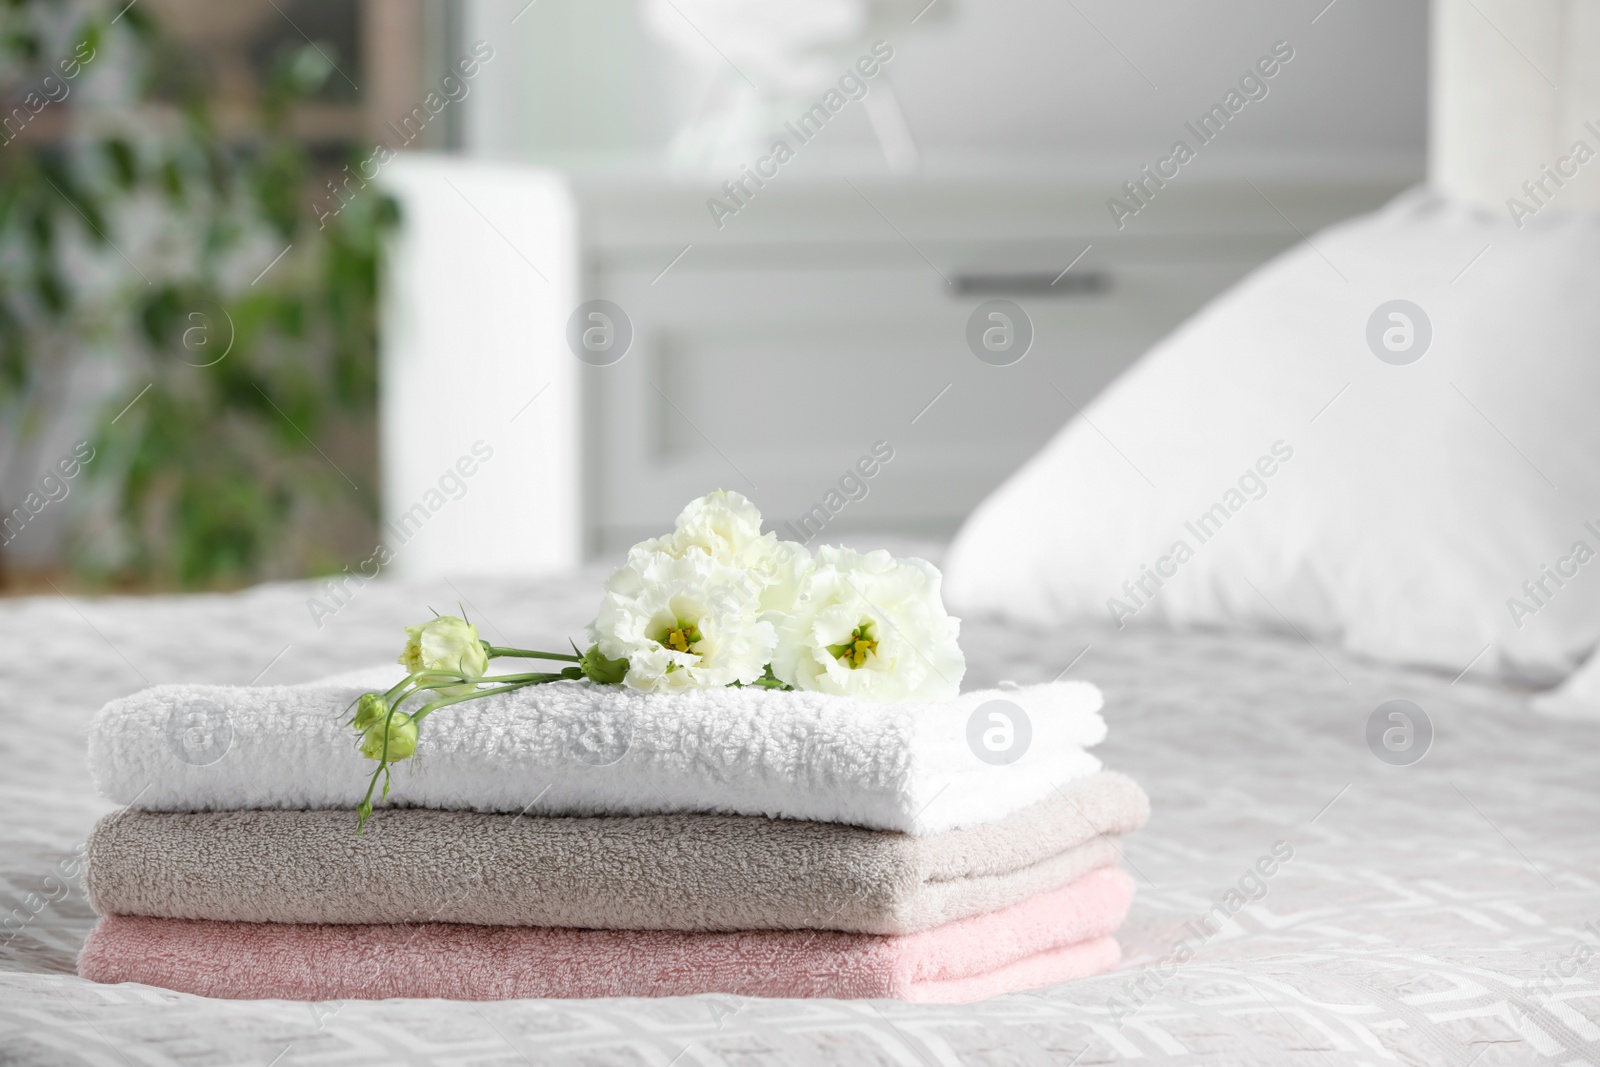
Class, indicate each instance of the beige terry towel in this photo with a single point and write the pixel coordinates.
(655, 872)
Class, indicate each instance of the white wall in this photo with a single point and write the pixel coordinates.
(997, 77)
(1515, 83)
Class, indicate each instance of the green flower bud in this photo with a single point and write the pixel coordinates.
(370, 711)
(598, 668)
(402, 738)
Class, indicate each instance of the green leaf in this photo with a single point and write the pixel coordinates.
(208, 483)
(124, 162)
(768, 680)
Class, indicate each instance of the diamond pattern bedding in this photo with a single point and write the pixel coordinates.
(1299, 899)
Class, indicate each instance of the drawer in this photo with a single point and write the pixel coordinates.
(773, 380)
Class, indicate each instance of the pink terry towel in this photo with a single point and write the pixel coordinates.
(1046, 939)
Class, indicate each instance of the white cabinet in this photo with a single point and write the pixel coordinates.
(769, 355)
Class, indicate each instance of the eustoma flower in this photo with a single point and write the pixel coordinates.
(683, 623)
(713, 603)
(727, 527)
(446, 643)
(873, 627)
(723, 525)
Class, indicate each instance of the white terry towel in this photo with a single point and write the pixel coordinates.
(574, 748)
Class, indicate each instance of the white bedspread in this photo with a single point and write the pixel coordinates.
(1426, 914)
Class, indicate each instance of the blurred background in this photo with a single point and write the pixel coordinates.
(300, 288)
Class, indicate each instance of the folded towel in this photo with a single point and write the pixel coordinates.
(651, 872)
(573, 748)
(1045, 939)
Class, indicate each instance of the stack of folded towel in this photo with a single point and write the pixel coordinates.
(574, 840)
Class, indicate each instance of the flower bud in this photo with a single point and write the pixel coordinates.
(402, 734)
(447, 643)
(370, 710)
(597, 668)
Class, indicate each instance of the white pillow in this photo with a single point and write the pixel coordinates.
(1576, 698)
(1407, 503)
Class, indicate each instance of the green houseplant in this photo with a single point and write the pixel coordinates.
(138, 231)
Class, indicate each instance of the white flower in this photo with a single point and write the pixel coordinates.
(446, 643)
(724, 525)
(727, 527)
(870, 626)
(683, 622)
(782, 574)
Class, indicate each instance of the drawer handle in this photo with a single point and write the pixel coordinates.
(1073, 283)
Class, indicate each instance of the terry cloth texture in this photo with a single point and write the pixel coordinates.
(574, 748)
(652, 872)
(1046, 939)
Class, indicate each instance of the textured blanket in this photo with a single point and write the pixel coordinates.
(573, 748)
(1407, 929)
(1041, 941)
(653, 872)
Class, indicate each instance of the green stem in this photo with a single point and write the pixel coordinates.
(435, 705)
(411, 679)
(507, 683)
(364, 809)
(451, 679)
(383, 768)
(533, 679)
(496, 652)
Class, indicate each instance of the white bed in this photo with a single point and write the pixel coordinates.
(1421, 906)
